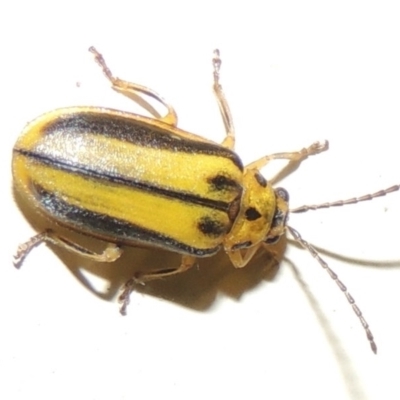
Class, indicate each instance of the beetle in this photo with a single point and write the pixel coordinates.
(133, 180)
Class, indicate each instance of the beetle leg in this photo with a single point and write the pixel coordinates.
(111, 253)
(187, 262)
(140, 278)
(296, 156)
(239, 260)
(229, 140)
(135, 91)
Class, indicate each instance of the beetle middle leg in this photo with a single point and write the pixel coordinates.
(135, 91)
(140, 278)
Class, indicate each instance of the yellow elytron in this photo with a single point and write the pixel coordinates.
(130, 180)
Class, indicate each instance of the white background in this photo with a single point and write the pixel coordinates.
(294, 72)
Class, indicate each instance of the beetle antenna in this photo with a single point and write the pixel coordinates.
(297, 237)
(353, 200)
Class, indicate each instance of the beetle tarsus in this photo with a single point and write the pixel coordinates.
(124, 298)
(100, 60)
(25, 248)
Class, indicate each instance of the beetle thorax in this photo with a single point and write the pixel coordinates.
(256, 215)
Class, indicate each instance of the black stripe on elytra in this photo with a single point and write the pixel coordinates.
(86, 172)
(137, 132)
(106, 227)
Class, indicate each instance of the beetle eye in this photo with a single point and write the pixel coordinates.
(279, 219)
(282, 193)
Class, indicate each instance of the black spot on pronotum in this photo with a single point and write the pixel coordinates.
(252, 214)
(260, 179)
(211, 227)
(222, 183)
(243, 245)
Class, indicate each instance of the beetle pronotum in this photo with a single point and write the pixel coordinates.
(127, 179)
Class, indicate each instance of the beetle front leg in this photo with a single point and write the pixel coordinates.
(111, 253)
(240, 260)
(296, 156)
(140, 278)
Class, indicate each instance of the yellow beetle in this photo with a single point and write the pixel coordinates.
(133, 180)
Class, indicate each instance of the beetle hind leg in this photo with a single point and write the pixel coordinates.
(140, 278)
(110, 254)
